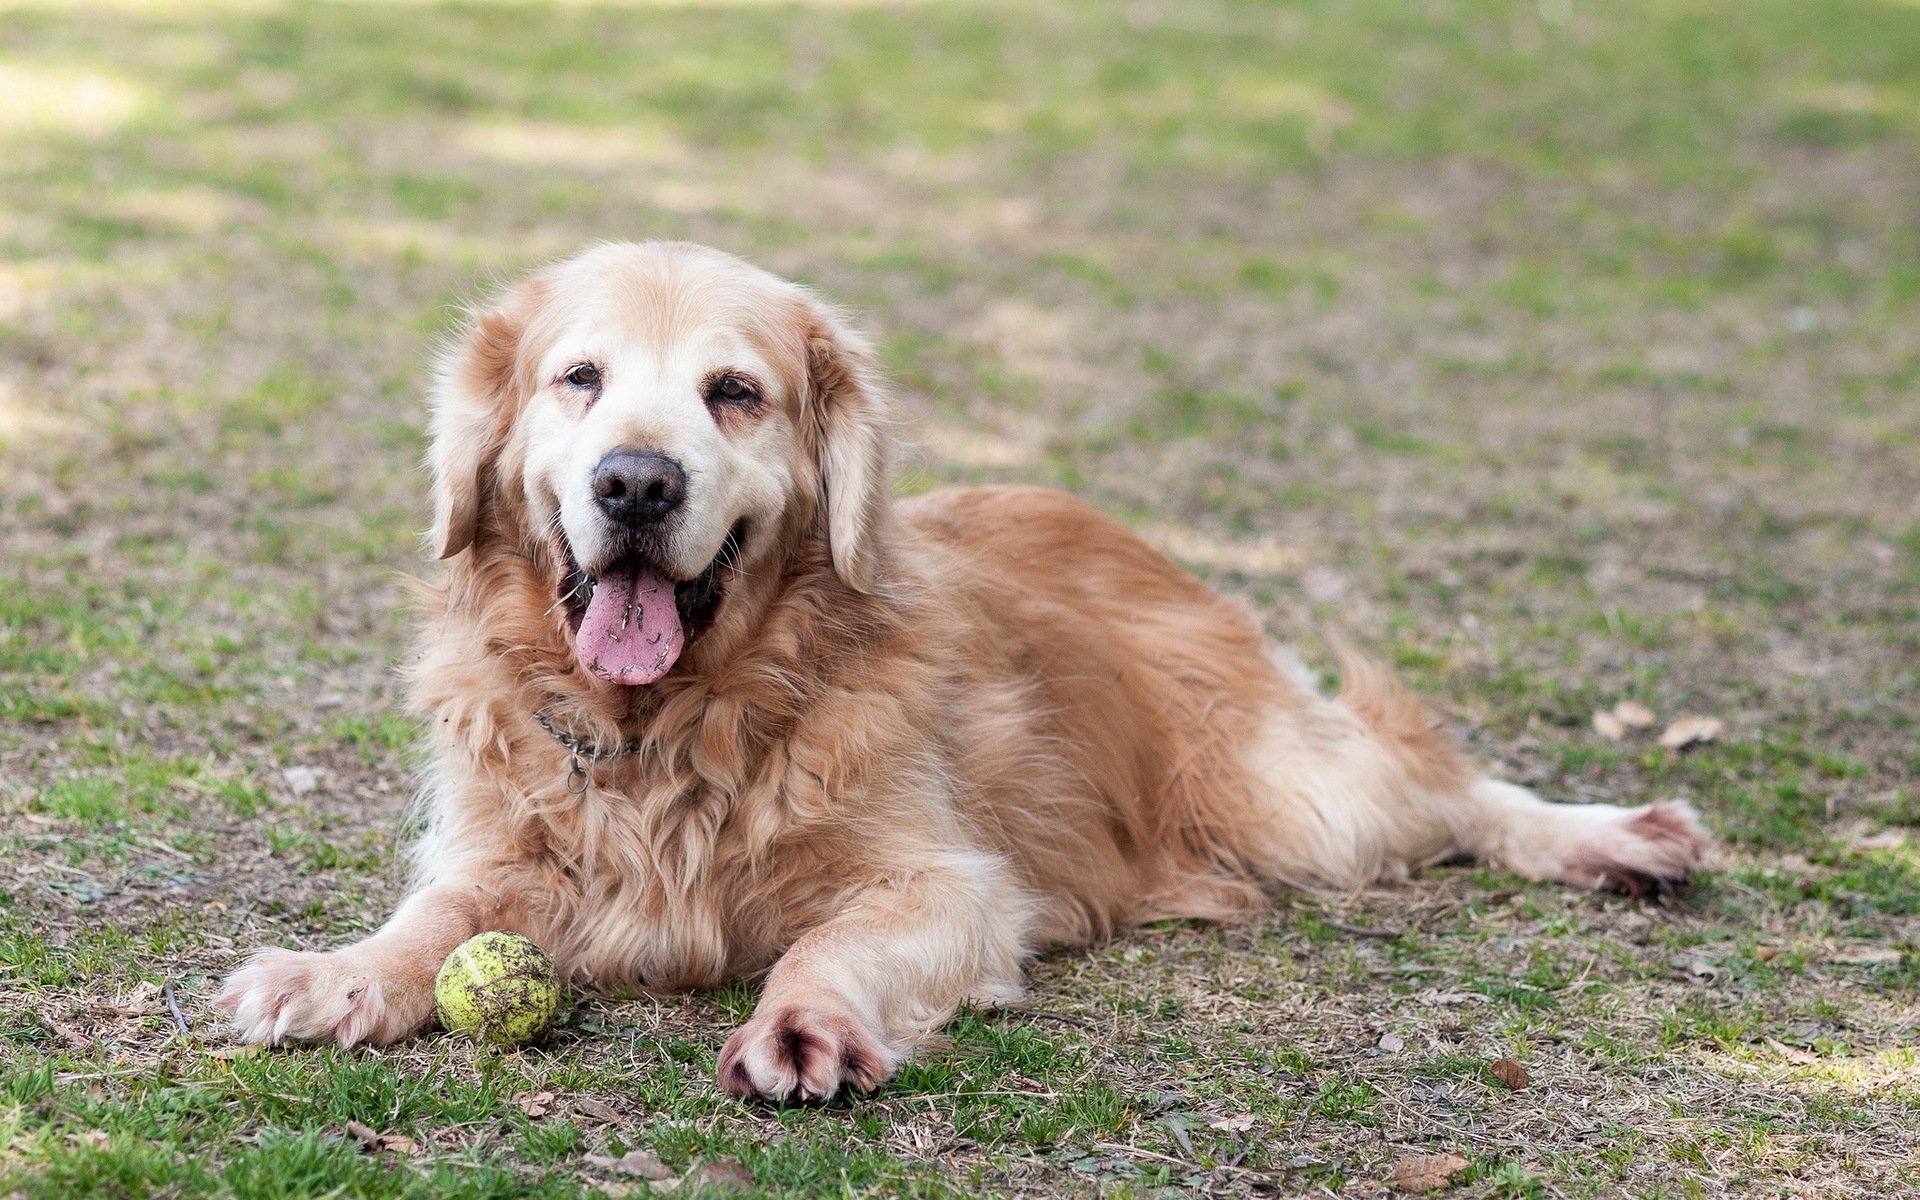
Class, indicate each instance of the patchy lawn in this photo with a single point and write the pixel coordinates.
(1561, 353)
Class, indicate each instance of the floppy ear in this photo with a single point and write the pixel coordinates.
(855, 440)
(472, 410)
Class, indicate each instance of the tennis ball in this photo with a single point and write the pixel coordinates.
(498, 987)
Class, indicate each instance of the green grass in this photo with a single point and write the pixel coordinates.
(1558, 353)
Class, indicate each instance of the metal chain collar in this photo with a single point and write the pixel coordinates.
(581, 754)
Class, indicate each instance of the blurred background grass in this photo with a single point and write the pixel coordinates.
(1557, 351)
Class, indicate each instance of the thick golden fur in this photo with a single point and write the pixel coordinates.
(919, 743)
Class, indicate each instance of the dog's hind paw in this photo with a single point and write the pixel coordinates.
(1638, 851)
(282, 996)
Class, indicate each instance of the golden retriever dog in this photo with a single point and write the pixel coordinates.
(706, 703)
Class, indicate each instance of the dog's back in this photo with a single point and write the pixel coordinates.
(1163, 761)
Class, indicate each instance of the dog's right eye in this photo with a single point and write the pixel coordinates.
(582, 375)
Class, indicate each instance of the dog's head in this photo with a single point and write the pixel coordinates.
(651, 425)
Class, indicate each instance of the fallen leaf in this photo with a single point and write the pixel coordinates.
(723, 1174)
(1766, 953)
(1323, 585)
(1697, 966)
(247, 1051)
(1426, 1172)
(1886, 839)
(373, 1141)
(1688, 730)
(534, 1104)
(1790, 1053)
(98, 1139)
(633, 1162)
(1177, 1126)
(1609, 726)
(1867, 955)
(142, 1001)
(1510, 1072)
(303, 780)
(1634, 715)
(1237, 1123)
(1392, 1043)
(599, 1110)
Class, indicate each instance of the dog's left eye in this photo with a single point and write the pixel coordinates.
(582, 375)
(731, 389)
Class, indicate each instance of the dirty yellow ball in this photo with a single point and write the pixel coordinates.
(498, 987)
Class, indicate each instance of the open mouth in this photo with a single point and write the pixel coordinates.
(632, 620)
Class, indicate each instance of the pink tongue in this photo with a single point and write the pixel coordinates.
(631, 633)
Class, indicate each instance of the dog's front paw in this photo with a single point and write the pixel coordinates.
(284, 996)
(800, 1053)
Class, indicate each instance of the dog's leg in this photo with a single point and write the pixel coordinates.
(849, 999)
(1366, 785)
(375, 991)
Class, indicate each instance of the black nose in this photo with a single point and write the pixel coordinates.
(638, 487)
